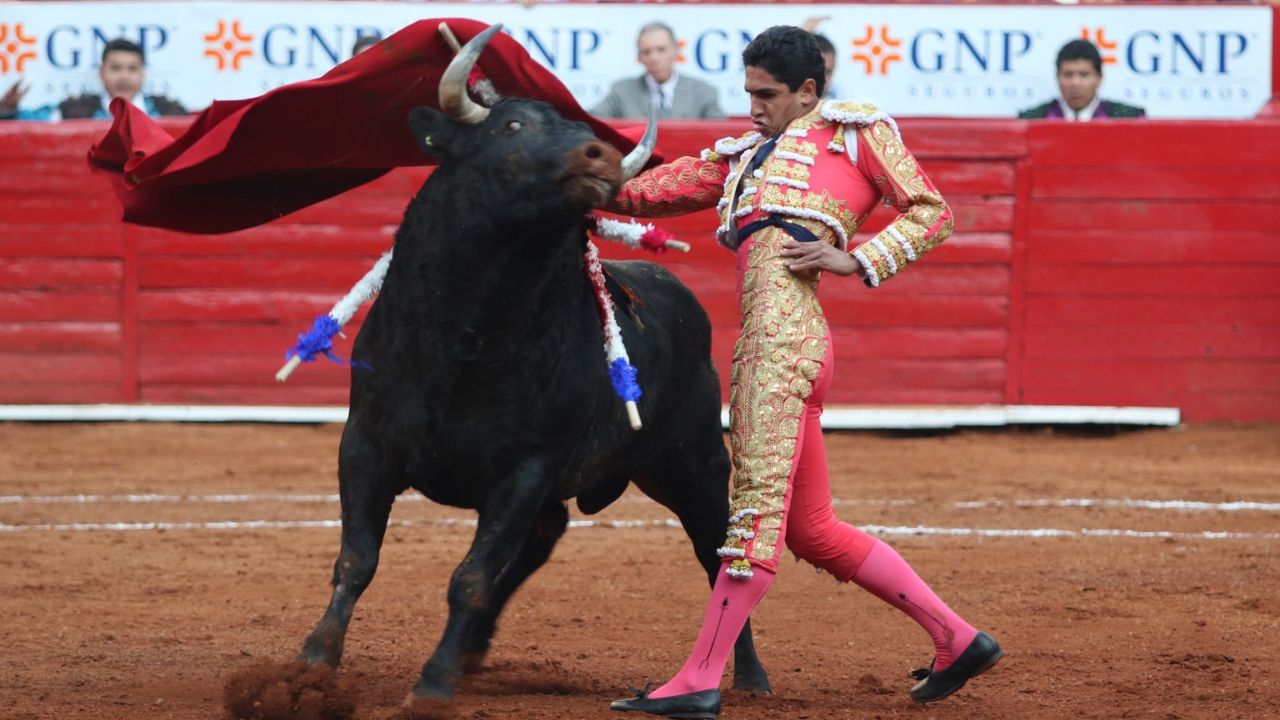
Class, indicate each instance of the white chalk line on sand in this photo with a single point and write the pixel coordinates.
(1138, 504)
(290, 524)
(883, 530)
(154, 498)
(1181, 505)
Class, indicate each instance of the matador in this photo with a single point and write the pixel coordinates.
(790, 196)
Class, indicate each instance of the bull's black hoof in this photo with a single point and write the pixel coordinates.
(430, 693)
(426, 707)
(702, 704)
(752, 681)
(979, 657)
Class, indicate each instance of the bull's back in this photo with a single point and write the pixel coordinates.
(661, 302)
(668, 337)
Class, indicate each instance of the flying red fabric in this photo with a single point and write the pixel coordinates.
(246, 162)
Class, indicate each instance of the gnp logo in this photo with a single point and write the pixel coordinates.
(874, 53)
(228, 45)
(716, 51)
(932, 51)
(565, 48)
(1107, 48)
(71, 47)
(1171, 52)
(16, 48)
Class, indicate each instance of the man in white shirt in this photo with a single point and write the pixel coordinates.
(675, 95)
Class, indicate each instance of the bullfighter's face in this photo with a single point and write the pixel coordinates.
(539, 163)
(774, 105)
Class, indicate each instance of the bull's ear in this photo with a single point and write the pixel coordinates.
(433, 130)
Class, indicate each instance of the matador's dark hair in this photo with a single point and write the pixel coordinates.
(790, 55)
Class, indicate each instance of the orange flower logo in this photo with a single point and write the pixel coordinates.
(16, 48)
(1099, 37)
(228, 46)
(875, 53)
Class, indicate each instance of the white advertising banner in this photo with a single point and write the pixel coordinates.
(1200, 61)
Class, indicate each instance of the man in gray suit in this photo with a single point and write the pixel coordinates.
(674, 95)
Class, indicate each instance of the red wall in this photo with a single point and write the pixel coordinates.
(1152, 270)
(1131, 264)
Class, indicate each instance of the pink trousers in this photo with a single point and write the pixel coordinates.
(809, 523)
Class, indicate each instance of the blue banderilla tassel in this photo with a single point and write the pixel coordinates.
(319, 341)
(623, 376)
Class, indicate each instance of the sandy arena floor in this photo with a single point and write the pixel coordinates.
(1160, 616)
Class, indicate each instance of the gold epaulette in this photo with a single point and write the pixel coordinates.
(861, 115)
(731, 147)
(850, 112)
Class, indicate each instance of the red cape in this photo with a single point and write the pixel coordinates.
(246, 162)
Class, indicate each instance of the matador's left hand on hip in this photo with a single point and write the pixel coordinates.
(807, 258)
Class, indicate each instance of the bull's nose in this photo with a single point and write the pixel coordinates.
(596, 158)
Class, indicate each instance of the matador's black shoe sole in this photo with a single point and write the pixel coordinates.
(703, 704)
(983, 653)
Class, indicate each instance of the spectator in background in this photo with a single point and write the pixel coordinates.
(364, 42)
(122, 73)
(1079, 76)
(829, 61)
(661, 86)
(9, 103)
(828, 52)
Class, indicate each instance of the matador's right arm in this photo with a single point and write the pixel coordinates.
(682, 186)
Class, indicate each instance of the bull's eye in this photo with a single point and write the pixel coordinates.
(513, 126)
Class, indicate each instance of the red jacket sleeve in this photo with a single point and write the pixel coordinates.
(925, 220)
(678, 187)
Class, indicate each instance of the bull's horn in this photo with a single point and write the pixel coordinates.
(454, 99)
(635, 160)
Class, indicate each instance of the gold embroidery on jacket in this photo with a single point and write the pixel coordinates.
(731, 189)
(906, 189)
(821, 206)
(685, 185)
(895, 158)
(775, 362)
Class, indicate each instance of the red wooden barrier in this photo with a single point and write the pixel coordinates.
(1131, 264)
(1154, 267)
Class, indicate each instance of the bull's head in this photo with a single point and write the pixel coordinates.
(521, 152)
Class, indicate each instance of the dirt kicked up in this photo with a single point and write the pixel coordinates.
(1127, 575)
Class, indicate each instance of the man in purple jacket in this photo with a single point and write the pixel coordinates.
(1079, 75)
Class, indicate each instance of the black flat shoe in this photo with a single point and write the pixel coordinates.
(979, 657)
(702, 704)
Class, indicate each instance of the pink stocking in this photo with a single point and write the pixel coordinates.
(731, 603)
(887, 576)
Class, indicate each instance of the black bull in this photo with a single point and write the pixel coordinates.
(489, 387)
